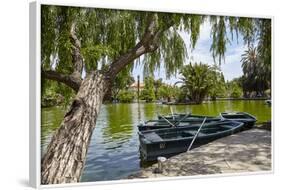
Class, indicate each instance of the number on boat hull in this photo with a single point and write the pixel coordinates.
(162, 145)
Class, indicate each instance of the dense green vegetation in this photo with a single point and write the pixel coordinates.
(119, 90)
(126, 96)
(169, 93)
(148, 93)
(55, 93)
(257, 74)
(201, 80)
(198, 82)
(234, 89)
(101, 33)
(158, 90)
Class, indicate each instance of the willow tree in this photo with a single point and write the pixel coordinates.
(77, 42)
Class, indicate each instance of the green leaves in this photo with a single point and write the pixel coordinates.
(126, 96)
(107, 34)
(148, 92)
(58, 92)
(116, 31)
(256, 72)
(48, 34)
(219, 36)
(122, 82)
(235, 91)
(191, 24)
(92, 54)
(264, 47)
(172, 52)
(247, 28)
(199, 80)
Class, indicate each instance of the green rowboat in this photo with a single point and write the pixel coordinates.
(171, 141)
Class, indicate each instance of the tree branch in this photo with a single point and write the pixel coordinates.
(148, 43)
(74, 80)
(77, 58)
(68, 80)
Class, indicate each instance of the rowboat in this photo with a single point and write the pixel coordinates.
(184, 121)
(248, 119)
(171, 141)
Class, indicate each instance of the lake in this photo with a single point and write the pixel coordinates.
(114, 149)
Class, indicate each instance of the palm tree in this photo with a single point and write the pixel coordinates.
(249, 63)
(196, 81)
(255, 71)
(249, 60)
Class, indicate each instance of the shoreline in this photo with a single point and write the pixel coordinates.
(192, 103)
(218, 99)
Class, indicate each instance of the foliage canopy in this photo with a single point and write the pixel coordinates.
(107, 34)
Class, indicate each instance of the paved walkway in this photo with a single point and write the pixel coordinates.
(247, 151)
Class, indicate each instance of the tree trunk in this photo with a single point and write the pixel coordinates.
(66, 153)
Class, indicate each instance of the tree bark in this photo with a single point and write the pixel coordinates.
(66, 153)
(77, 58)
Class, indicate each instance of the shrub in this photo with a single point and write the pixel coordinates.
(126, 96)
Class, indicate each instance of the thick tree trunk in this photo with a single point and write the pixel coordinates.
(66, 153)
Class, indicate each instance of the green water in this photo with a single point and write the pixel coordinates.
(114, 148)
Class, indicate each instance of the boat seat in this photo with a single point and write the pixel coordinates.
(153, 137)
(227, 127)
(150, 123)
(192, 132)
(182, 124)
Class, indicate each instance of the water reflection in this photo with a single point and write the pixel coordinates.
(114, 143)
(149, 110)
(118, 123)
(50, 121)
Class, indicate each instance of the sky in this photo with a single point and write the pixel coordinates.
(231, 67)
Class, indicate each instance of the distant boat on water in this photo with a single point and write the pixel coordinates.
(268, 102)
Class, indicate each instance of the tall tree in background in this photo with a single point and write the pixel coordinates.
(198, 80)
(250, 68)
(217, 81)
(234, 88)
(148, 93)
(264, 47)
(81, 40)
(167, 92)
(256, 73)
(157, 84)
